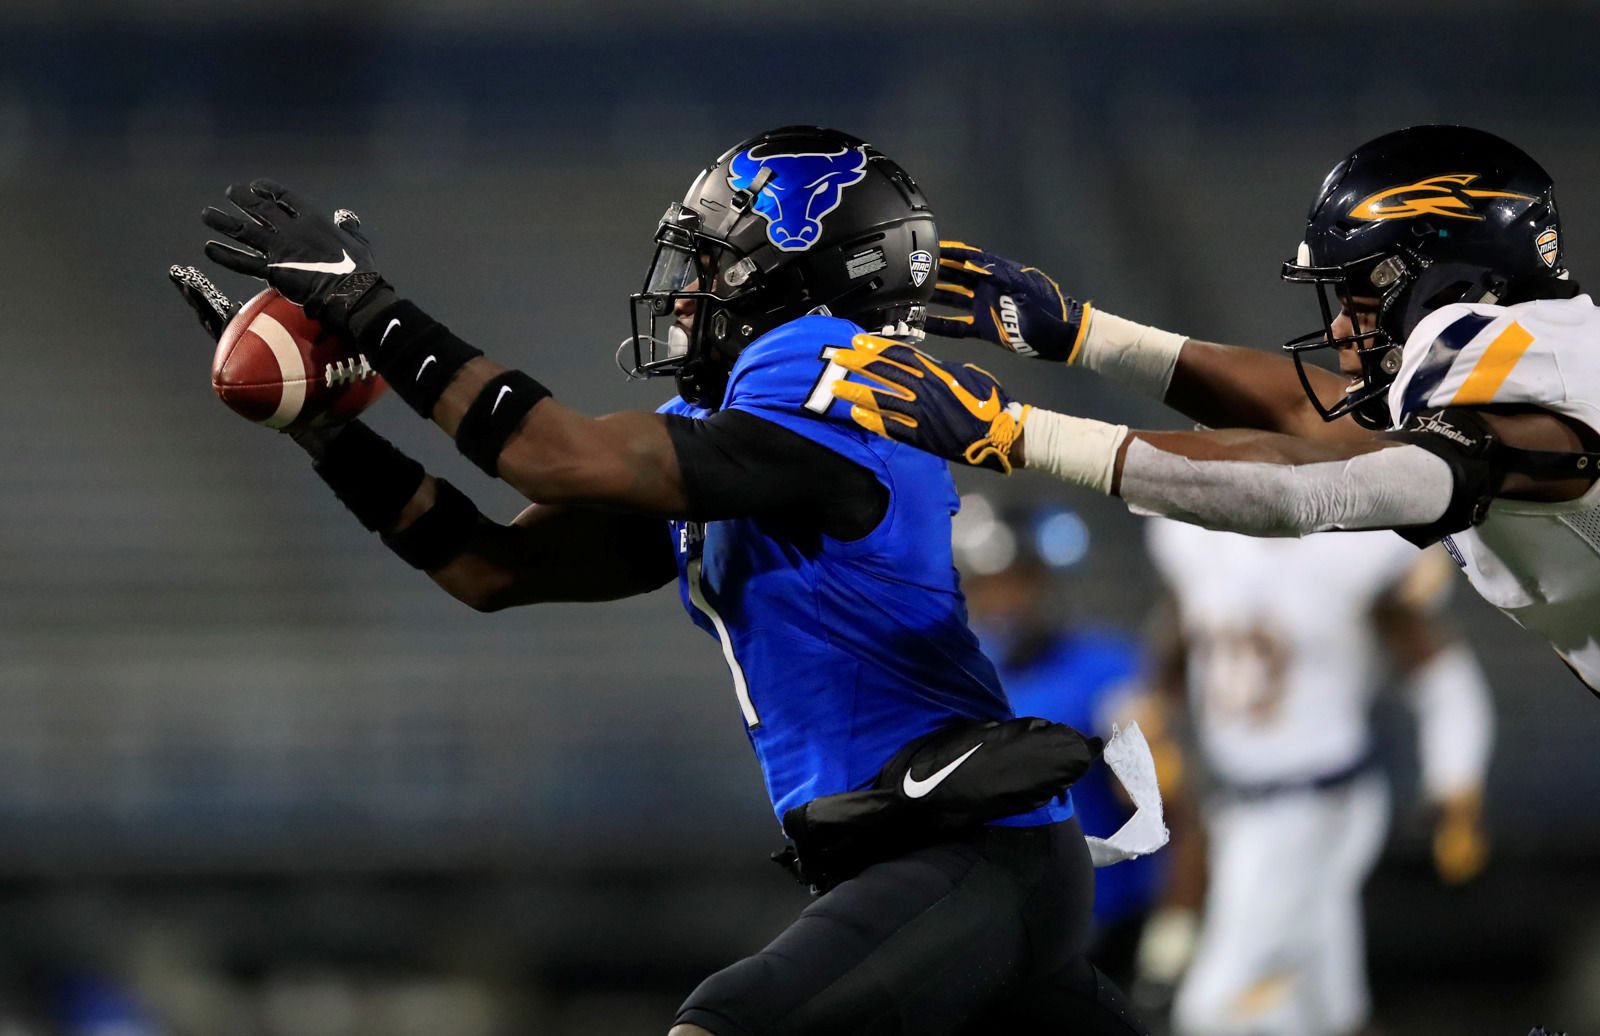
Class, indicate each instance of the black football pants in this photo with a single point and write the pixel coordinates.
(982, 936)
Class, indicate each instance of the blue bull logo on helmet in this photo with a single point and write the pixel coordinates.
(803, 188)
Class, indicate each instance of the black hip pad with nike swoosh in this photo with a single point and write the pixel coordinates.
(953, 779)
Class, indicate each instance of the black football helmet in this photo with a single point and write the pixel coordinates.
(1418, 219)
(784, 223)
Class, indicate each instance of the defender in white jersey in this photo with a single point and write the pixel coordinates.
(1469, 410)
(1537, 561)
(1282, 645)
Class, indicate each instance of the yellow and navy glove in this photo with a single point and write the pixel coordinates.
(958, 413)
(1018, 307)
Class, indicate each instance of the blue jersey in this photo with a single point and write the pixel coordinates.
(1071, 683)
(841, 652)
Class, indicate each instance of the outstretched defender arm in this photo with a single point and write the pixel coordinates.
(1231, 386)
(1434, 476)
(1429, 475)
(1260, 483)
(1023, 310)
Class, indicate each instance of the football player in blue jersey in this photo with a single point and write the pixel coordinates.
(955, 882)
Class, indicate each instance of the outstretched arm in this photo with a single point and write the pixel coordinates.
(558, 553)
(559, 455)
(1260, 483)
(550, 452)
(1435, 476)
(548, 553)
(605, 483)
(731, 464)
(1230, 386)
(1023, 310)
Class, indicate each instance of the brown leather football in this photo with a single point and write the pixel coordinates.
(278, 367)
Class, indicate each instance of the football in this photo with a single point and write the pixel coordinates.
(278, 367)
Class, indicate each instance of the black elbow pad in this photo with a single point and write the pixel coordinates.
(1462, 439)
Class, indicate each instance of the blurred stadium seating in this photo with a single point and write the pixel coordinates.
(259, 777)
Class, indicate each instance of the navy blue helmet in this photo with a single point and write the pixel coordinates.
(1414, 220)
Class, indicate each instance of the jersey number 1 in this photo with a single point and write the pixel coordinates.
(821, 397)
(741, 687)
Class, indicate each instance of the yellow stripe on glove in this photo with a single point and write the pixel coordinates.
(961, 414)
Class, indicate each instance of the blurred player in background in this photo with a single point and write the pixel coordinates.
(1014, 561)
(1467, 407)
(1280, 649)
(957, 881)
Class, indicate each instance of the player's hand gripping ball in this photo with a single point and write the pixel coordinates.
(323, 263)
(278, 367)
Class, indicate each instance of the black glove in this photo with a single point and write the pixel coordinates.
(1014, 306)
(318, 262)
(212, 307)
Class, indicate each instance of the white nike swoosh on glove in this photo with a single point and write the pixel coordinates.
(915, 789)
(345, 265)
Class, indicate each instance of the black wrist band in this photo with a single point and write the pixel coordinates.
(369, 475)
(368, 309)
(495, 416)
(417, 355)
(333, 310)
(440, 533)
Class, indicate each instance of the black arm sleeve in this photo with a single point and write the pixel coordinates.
(736, 465)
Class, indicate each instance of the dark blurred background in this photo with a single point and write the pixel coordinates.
(257, 776)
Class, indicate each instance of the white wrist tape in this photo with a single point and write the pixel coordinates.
(1135, 355)
(1384, 489)
(1073, 449)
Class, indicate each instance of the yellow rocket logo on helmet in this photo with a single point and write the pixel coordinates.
(1449, 196)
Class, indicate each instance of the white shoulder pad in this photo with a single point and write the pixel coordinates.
(1472, 355)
